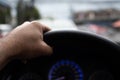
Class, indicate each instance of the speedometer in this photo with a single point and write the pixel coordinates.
(65, 70)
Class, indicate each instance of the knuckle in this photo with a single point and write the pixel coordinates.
(26, 22)
(34, 22)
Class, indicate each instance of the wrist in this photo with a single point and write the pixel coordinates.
(8, 48)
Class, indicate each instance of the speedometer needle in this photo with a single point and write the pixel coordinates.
(61, 78)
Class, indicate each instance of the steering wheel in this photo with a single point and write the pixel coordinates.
(76, 56)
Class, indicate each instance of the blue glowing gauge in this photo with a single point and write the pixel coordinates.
(65, 70)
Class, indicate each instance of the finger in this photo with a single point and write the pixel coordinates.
(45, 49)
(39, 25)
(45, 28)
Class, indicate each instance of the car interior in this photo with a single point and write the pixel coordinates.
(77, 54)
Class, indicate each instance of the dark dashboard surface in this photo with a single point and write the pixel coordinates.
(76, 56)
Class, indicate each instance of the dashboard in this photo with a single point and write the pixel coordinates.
(76, 56)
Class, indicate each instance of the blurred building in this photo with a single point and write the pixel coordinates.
(97, 15)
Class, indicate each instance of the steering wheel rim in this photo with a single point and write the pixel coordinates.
(49, 36)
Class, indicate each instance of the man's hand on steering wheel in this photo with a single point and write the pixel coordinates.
(24, 42)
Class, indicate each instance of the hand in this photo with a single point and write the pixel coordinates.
(25, 42)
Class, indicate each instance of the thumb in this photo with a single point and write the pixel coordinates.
(45, 49)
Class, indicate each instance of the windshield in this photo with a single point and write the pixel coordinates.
(101, 17)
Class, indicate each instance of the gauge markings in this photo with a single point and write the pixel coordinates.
(65, 70)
